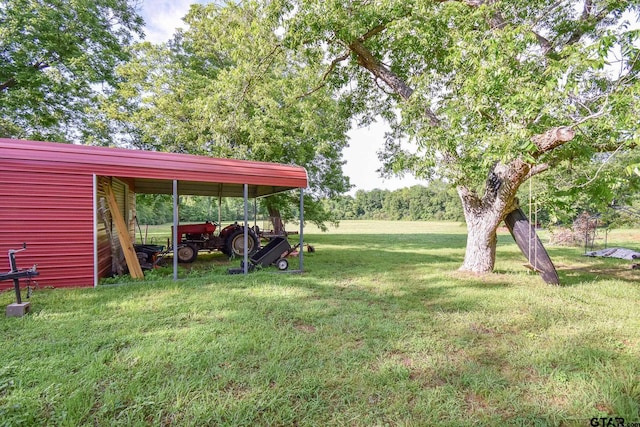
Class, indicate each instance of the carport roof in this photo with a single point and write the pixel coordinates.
(153, 172)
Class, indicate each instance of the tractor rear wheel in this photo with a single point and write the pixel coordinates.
(235, 243)
(187, 253)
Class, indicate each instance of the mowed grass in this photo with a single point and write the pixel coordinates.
(380, 329)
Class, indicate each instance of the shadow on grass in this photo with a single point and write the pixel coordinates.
(600, 269)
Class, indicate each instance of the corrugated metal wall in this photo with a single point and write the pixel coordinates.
(53, 213)
(104, 245)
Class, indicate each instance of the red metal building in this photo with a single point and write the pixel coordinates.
(50, 194)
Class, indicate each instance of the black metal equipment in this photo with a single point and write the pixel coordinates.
(274, 253)
(149, 255)
(16, 274)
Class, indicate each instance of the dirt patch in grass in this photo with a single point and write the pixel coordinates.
(305, 328)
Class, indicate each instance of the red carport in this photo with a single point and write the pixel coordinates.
(50, 194)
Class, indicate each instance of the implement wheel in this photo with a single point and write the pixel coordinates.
(282, 264)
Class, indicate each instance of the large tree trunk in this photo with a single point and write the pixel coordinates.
(483, 217)
(480, 255)
(276, 219)
(484, 214)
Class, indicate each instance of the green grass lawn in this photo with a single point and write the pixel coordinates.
(380, 330)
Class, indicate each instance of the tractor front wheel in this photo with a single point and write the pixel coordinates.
(187, 253)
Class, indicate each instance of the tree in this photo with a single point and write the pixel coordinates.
(369, 204)
(490, 92)
(593, 186)
(227, 87)
(54, 55)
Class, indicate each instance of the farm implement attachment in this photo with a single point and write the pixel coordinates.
(19, 308)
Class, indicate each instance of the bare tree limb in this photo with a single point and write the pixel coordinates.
(398, 86)
(369, 62)
(473, 3)
(372, 32)
(587, 9)
(589, 117)
(8, 84)
(537, 169)
(544, 43)
(551, 139)
(587, 14)
(602, 166)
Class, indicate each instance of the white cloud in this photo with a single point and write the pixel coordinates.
(362, 160)
(162, 17)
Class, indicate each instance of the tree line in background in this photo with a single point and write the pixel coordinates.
(436, 201)
(154, 209)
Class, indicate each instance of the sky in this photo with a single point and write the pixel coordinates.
(162, 17)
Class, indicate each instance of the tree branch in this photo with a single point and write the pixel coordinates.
(372, 32)
(602, 166)
(551, 139)
(519, 170)
(8, 84)
(366, 60)
(473, 3)
(589, 117)
(544, 43)
(586, 11)
(369, 62)
(270, 58)
(332, 66)
(537, 169)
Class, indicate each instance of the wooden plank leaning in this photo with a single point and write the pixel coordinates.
(123, 234)
(531, 246)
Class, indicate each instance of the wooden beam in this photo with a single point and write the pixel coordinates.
(123, 234)
(531, 246)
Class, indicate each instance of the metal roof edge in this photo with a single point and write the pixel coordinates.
(124, 157)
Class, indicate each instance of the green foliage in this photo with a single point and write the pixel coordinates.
(493, 75)
(154, 209)
(53, 56)
(226, 87)
(584, 185)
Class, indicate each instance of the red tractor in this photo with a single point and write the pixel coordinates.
(193, 238)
